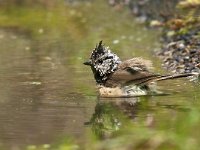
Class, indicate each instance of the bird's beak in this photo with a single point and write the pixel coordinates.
(89, 63)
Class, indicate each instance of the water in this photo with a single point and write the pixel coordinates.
(47, 94)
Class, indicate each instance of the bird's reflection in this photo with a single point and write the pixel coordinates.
(111, 114)
(115, 114)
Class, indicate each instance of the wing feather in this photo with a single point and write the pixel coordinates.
(132, 71)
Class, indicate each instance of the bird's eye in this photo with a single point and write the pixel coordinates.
(110, 57)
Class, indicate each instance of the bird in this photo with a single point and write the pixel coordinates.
(117, 78)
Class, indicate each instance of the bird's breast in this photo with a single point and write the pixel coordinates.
(126, 91)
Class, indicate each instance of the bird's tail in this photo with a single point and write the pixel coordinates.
(166, 77)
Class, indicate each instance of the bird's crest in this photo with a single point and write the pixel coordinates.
(104, 61)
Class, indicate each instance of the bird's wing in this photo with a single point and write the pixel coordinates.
(132, 71)
(130, 75)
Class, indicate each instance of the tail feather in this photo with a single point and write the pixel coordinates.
(166, 77)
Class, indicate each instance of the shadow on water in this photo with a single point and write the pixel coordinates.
(46, 93)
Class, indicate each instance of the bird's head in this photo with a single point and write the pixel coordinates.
(103, 62)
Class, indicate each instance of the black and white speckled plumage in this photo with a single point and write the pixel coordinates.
(104, 61)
